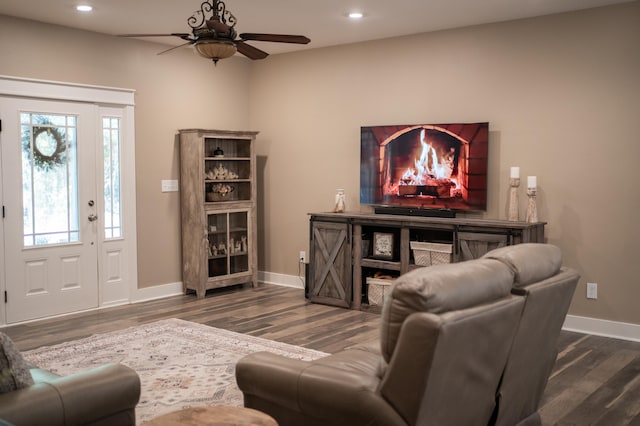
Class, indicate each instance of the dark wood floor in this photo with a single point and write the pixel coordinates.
(596, 380)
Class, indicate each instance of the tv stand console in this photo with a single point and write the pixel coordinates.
(342, 255)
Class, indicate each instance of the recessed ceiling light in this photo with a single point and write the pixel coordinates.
(356, 15)
(84, 8)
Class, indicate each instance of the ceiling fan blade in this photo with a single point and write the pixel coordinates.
(250, 51)
(277, 38)
(175, 47)
(184, 36)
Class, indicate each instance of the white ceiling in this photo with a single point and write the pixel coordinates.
(323, 21)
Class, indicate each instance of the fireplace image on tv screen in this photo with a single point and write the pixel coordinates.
(428, 166)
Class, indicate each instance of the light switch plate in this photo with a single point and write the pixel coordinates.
(592, 290)
(169, 185)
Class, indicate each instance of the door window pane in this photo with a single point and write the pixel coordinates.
(49, 178)
(112, 209)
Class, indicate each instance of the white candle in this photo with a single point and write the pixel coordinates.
(515, 172)
(531, 182)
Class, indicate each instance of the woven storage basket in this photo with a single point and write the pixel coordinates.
(214, 196)
(427, 254)
(377, 290)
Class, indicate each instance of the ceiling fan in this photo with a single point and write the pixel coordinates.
(215, 37)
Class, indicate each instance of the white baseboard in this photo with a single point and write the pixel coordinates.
(175, 289)
(157, 292)
(599, 327)
(281, 279)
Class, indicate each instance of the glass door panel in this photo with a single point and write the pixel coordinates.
(238, 248)
(111, 137)
(218, 243)
(228, 243)
(50, 179)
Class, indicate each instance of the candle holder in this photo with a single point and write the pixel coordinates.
(340, 203)
(532, 210)
(513, 199)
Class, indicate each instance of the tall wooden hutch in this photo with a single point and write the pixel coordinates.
(218, 209)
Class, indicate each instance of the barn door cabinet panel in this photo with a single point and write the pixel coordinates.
(330, 266)
(473, 245)
(344, 253)
(218, 209)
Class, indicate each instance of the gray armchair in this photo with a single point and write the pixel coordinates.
(547, 289)
(452, 350)
(105, 395)
(445, 337)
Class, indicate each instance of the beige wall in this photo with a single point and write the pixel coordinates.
(560, 92)
(173, 91)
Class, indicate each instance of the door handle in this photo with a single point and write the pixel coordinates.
(92, 217)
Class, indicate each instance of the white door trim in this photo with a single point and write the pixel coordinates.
(101, 96)
(63, 91)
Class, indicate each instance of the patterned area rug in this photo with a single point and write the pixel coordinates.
(181, 364)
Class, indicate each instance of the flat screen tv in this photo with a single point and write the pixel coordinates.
(424, 167)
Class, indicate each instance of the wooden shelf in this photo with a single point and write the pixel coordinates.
(233, 214)
(380, 264)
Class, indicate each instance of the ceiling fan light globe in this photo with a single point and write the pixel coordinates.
(215, 49)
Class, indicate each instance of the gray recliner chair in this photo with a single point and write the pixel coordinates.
(547, 289)
(453, 345)
(445, 336)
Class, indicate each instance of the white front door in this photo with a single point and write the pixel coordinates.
(50, 202)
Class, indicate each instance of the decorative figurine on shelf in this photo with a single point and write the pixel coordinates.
(340, 203)
(218, 152)
(214, 250)
(514, 182)
(220, 173)
(232, 246)
(243, 243)
(238, 247)
(532, 209)
(222, 249)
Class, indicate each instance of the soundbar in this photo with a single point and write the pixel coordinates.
(409, 211)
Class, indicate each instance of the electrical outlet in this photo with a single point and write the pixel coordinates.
(302, 258)
(592, 290)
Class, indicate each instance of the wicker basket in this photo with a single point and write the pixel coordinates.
(427, 254)
(215, 196)
(377, 290)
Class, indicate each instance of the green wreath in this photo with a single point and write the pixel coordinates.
(49, 151)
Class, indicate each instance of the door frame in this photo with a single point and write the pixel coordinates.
(102, 97)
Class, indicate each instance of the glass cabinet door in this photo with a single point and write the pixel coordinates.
(228, 242)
